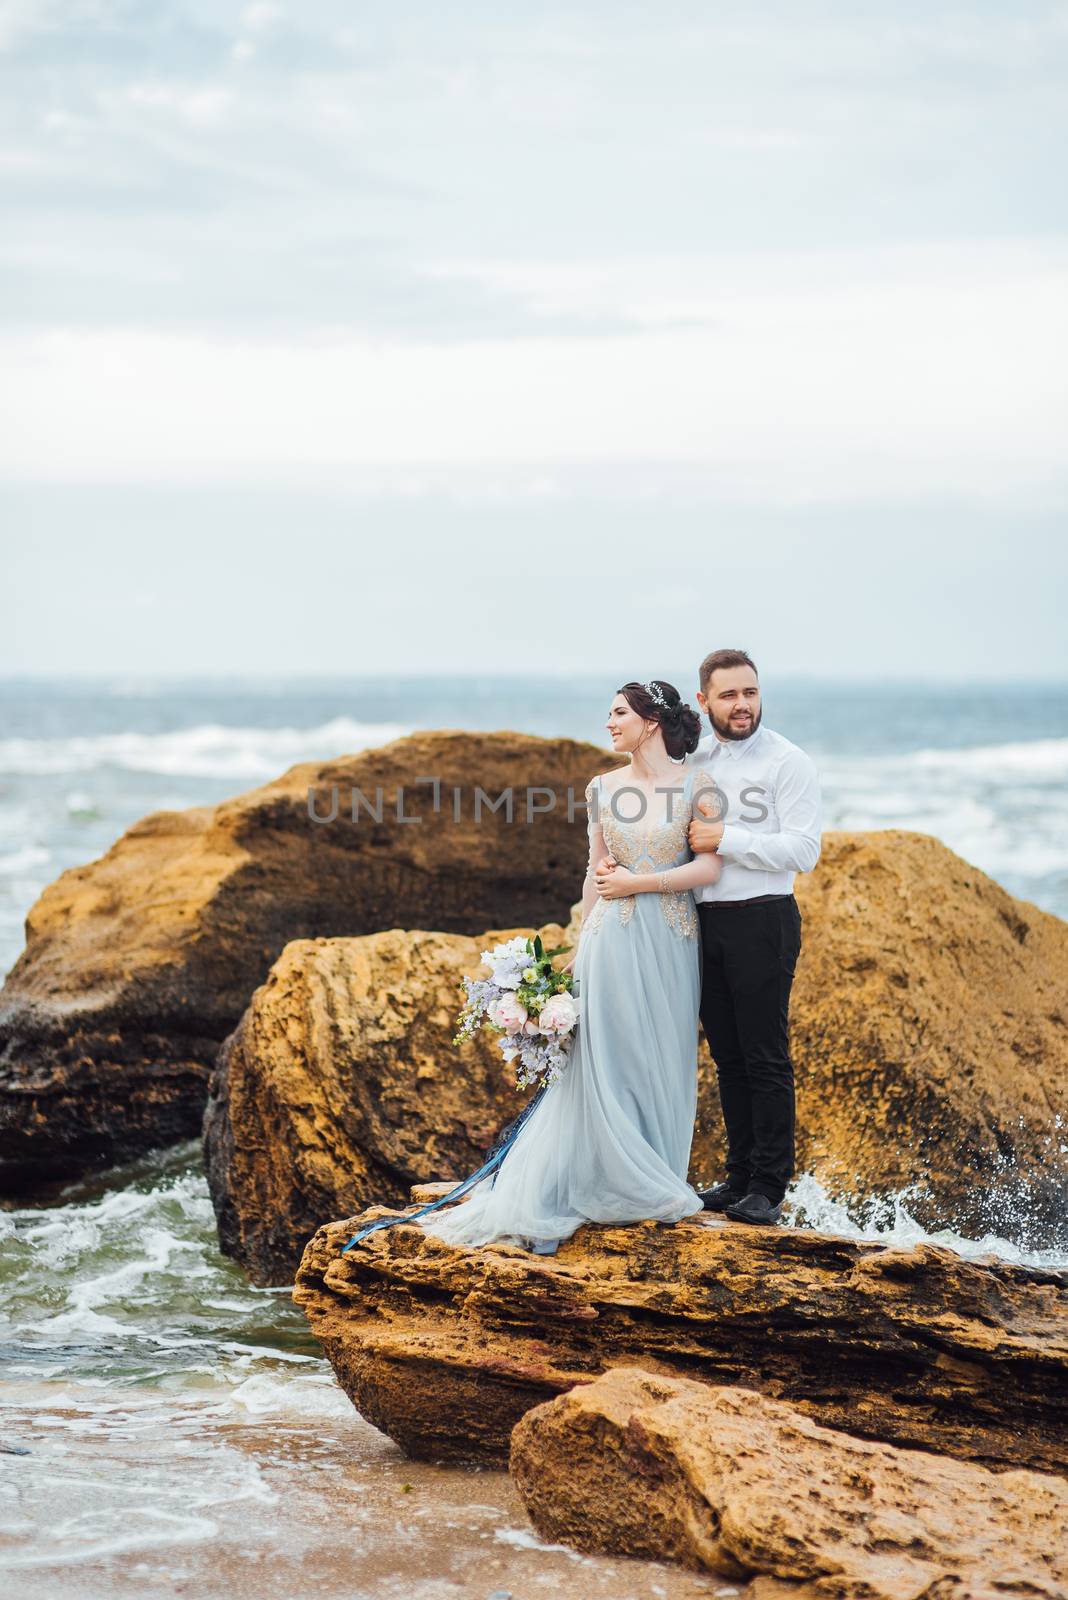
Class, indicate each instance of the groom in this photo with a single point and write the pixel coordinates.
(764, 823)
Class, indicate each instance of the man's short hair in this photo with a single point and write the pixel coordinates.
(722, 658)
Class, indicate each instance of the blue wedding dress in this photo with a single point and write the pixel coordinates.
(609, 1140)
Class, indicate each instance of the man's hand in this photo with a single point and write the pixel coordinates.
(705, 836)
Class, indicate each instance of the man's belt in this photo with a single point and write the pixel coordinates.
(729, 905)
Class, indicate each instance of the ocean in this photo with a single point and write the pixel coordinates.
(167, 1426)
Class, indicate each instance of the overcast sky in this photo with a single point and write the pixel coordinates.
(465, 336)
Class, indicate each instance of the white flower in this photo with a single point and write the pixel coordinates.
(512, 950)
(507, 962)
(558, 1015)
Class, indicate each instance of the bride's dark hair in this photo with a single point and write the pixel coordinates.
(679, 722)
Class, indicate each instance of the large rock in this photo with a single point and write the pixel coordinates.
(341, 1087)
(930, 1033)
(445, 1349)
(139, 964)
(725, 1480)
(925, 1032)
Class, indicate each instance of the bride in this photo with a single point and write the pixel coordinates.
(609, 1140)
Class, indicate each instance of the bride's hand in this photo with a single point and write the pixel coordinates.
(615, 882)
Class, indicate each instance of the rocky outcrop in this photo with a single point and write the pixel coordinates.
(894, 1016)
(341, 1087)
(929, 1023)
(930, 1034)
(138, 965)
(926, 1039)
(445, 1349)
(725, 1480)
(341, 1084)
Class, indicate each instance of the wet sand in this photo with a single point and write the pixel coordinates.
(226, 1509)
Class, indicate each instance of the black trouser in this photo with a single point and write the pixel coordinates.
(748, 956)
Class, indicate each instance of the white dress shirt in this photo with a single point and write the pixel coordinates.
(772, 817)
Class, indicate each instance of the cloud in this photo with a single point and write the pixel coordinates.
(204, 106)
(313, 178)
(802, 252)
(923, 377)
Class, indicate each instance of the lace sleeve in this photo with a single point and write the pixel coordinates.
(597, 849)
(597, 846)
(706, 798)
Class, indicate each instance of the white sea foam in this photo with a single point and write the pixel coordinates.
(312, 1395)
(94, 1535)
(80, 804)
(888, 1219)
(24, 860)
(16, 821)
(210, 750)
(523, 1539)
(125, 1267)
(101, 1477)
(1002, 807)
(1043, 760)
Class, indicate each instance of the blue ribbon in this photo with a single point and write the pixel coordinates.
(491, 1164)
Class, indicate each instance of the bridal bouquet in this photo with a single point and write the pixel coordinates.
(529, 1003)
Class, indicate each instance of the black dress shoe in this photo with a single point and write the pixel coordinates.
(756, 1208)
(719, 1198)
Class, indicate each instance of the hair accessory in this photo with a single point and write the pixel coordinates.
(656, 694)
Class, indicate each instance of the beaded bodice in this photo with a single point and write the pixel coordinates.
(647, 846)
(643, 846)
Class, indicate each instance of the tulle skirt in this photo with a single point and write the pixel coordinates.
(610, 1140)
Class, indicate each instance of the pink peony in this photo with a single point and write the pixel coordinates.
(508, 1013)
(558, 1015)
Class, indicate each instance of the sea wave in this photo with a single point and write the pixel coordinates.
(133, 1280)
(1004, 807)
(889, 1219)
(209, 750)
(1044, 759)
(16, 862)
